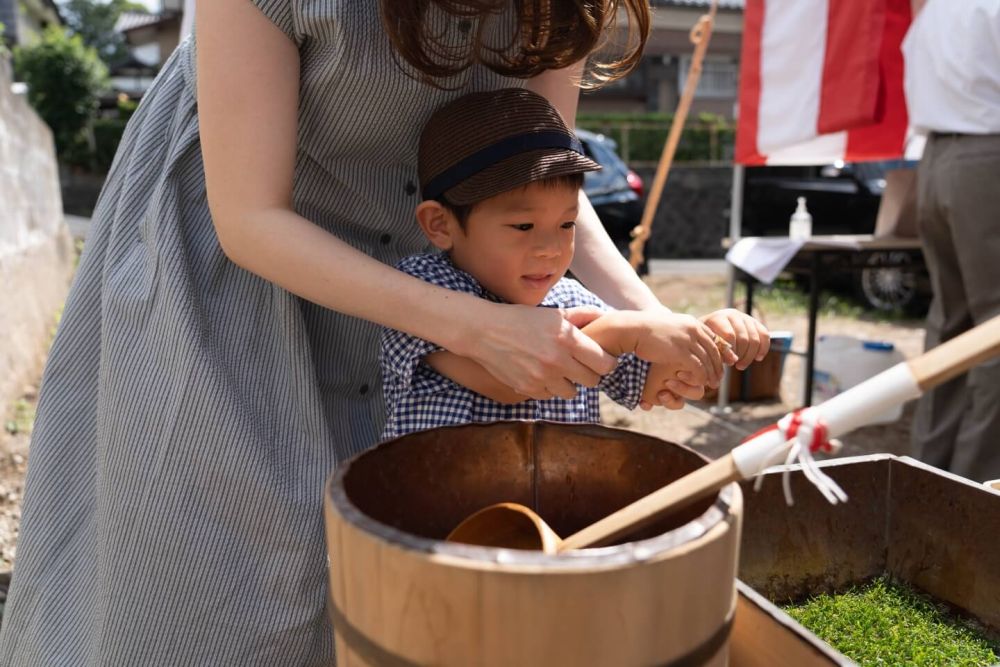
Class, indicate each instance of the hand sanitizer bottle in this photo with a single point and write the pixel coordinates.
(800, 226)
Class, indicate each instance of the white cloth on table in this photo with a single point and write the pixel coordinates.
(765, 258)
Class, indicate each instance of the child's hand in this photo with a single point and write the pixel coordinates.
(749, 338)
(663, 388)
(682, 342)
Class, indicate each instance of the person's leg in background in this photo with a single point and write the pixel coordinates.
(974, 216)
(939, 412)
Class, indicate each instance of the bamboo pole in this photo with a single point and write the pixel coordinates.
(701, 33)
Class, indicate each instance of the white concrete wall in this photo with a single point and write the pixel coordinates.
(36, 251)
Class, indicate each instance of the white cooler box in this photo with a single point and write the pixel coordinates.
(844, 361)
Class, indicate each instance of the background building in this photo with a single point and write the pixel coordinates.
(150, 39)
(659, 80)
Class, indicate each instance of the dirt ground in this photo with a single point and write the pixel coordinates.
(695, 426)
(13, 465)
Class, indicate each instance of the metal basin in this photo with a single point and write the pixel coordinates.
(928, 528)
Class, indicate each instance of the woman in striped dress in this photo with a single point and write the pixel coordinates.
(218, 351)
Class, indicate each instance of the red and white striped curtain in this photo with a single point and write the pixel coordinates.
(821, 80)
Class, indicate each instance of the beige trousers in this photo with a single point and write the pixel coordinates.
(957, 425)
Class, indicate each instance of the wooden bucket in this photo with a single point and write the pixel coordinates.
(399, 596)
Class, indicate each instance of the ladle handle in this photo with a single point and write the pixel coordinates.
(844, 412)
(693, 486)
(957, 355)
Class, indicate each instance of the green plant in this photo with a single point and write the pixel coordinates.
(77, 252)
(785, 297)
(57, 318)
(126, 106)
(64, 80)
(641, 137)
(95, 22)
(21, 417)
(885, 623)
(107, 135)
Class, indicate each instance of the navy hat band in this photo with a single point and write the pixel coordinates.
(494, 153)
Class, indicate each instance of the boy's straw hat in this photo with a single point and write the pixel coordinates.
(482, 144)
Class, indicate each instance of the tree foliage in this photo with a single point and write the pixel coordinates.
(64, 78)
(94, 21)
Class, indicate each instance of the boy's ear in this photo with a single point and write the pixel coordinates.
(433, 219)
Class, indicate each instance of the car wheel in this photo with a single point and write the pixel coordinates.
(892, 288)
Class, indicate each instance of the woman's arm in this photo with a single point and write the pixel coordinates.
(248, 73)
(471, 375)
(618, 332)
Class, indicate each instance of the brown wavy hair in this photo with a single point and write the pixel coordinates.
(547, 34)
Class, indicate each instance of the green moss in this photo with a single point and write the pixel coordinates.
(785, 298)
(885, 623)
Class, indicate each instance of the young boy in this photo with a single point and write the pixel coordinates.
(500, 175)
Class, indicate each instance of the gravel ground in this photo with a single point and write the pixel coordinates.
(694, 426)
(13, 464)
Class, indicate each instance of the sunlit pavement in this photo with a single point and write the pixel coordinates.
(688, 267)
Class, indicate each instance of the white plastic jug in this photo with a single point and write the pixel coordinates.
(844, 361)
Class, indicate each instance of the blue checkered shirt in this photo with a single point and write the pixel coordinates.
(417, 397)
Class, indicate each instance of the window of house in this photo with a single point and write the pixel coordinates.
(147, 54)
(718, 78)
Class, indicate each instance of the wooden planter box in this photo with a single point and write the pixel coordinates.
(933, 530)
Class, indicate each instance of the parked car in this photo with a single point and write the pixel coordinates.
(843, 198)
(615, 191)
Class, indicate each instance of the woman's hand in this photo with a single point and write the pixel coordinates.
(537, 352)
(749, 338)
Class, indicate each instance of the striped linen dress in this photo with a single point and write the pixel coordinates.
(190, 411)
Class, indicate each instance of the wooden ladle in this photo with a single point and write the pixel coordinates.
(507, 525)
(515, 526)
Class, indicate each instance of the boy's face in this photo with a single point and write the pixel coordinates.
(518, 244)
